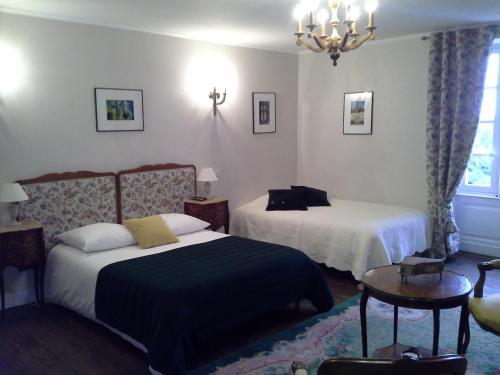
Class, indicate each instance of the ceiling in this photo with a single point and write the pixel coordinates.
(266, 24)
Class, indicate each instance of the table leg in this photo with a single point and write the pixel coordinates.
(435, 341)
(2, 294)
(463, 331)
(395, 336)
(42, 283)
(36, 279)
(362, 309)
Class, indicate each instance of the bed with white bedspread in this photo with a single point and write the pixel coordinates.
(349, 235)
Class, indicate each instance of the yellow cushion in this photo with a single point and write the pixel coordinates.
(487, 310)
(150, 231)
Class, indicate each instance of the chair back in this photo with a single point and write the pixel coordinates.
(442, 365)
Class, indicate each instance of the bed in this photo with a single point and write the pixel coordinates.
(169, 300)
(349, 235)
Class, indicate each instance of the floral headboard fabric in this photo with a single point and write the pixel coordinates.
(154, 189)
(61, 202)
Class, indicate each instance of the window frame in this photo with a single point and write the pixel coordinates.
(494, 189)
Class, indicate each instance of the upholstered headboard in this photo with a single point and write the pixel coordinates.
(64, 201)
(154, 189)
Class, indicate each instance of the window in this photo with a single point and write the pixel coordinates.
(482, 174)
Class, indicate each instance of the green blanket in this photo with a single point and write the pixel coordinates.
(174, 302)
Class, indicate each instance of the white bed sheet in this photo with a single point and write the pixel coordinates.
(349, 236)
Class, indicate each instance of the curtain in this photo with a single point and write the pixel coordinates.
(457, 68)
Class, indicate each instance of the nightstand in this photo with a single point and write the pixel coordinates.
(213, 210)
(22, 246)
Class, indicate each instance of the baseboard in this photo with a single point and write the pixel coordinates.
(479, 245)
(18, 299)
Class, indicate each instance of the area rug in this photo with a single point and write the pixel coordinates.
(338, 333)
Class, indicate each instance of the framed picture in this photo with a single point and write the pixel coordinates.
(264, 112)
(358, 112)
(118, 110)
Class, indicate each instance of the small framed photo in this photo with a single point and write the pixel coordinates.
(264, 112)
(358, 112)
(118, 110)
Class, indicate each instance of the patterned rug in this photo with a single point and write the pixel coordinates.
(338, 333)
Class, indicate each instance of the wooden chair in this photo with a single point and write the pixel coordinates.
(410, 363)
(485, 310)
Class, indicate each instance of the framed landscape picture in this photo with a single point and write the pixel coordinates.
(358, 112)
(264, 112)
(118, 110)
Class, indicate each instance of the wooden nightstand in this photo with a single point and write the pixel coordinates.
(22, 246)
(214, 210)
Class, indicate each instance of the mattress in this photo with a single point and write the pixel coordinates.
(349, 235)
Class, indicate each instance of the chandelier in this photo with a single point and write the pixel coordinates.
(333, 44)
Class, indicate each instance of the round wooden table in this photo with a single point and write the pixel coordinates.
(427, 292)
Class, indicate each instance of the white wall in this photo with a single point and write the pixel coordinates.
(479, 222)
(387, 166)
(48, 123)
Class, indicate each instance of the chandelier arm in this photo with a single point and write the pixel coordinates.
(344, 40)
(318, 42)
(311, 47)
(355, 43)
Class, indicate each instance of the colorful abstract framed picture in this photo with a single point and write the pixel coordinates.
(358, 112)
(264, 112)
(118, 110)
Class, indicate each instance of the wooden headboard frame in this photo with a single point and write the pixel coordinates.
(64, 176)
(147, 168)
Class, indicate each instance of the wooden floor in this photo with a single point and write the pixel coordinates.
(53, 340)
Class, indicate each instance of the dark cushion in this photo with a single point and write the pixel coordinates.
(286, 200)
(314, 197)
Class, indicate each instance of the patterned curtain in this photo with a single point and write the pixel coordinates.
(457, 68)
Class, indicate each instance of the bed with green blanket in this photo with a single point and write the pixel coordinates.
(174, 302)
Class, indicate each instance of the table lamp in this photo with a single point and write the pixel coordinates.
(13, 193)
(207, 175)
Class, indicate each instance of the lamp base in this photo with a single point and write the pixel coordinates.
(14, 213)
(207, 188)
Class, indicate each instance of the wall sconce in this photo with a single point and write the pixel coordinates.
(214, 95)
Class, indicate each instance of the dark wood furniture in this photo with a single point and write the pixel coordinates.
(426, 292)
(213, 210)
(22, 246)
(407, 364)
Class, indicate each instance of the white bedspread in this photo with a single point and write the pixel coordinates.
(349, 235)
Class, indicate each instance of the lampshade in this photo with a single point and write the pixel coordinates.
(207, 174)
(12, 193)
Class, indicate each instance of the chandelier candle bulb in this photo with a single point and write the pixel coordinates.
(311, 25)
(355, 13)
(298, 14)
(370, 7)
(322, 16)
(370, 20)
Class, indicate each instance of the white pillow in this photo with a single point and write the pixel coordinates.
(183, 224)
(98, 237)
